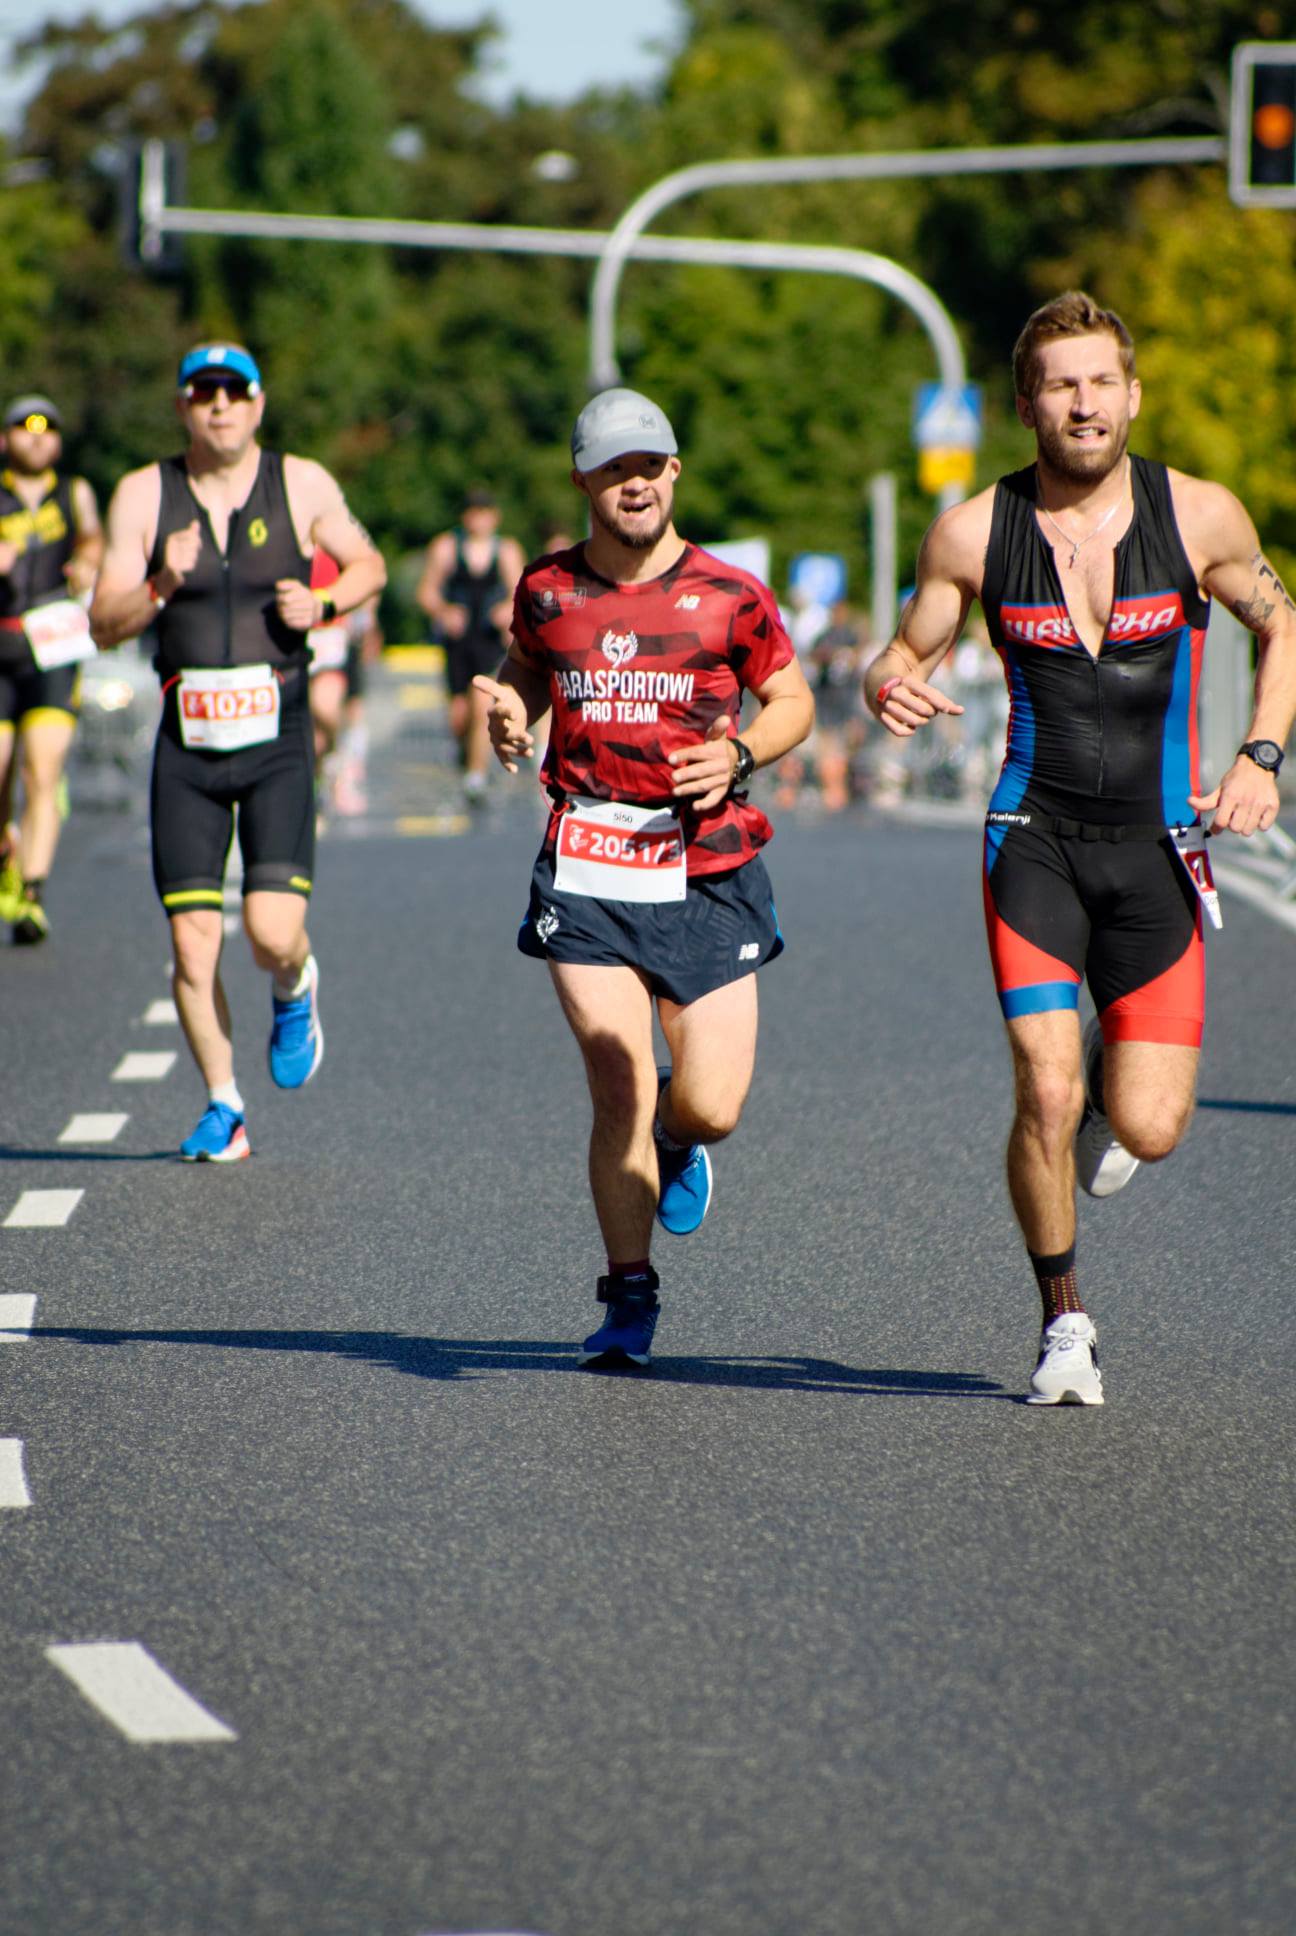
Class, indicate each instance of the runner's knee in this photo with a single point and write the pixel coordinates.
(1050, 1103)
(1151, 1134)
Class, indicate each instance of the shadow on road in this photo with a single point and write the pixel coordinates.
(1250, 1108)
(9, 1153)
(458, 1358)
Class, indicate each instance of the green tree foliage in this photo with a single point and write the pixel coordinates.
(415, 373)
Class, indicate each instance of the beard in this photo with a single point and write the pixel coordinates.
(1082, 463)
(635, 537)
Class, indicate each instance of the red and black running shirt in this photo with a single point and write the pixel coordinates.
(637, 671)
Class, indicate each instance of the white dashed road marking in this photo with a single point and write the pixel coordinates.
(17, 1313)
(144, 1066)
(130, 1689)
(160, 1014)
(13, 1485)
(42, 1209)
(94, 1129)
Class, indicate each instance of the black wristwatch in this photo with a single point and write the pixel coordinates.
(1266, 753)
(744, 769)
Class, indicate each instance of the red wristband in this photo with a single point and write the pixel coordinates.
(885, 690)
(154, 593)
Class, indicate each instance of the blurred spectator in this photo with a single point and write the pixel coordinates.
(977, 682)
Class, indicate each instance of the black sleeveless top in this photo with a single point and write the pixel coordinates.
(46, 538)
(224, 613)
(1111, 739)
(478, 592)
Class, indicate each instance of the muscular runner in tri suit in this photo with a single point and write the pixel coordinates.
(1095, 569)
(214, 548)
(469, 576)
(649, 886)
(50, 547)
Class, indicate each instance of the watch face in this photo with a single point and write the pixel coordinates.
(1267, 753)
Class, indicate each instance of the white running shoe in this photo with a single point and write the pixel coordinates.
(1067, 1372)
(1103, 1166)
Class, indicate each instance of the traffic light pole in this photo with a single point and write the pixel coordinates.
(625, 239)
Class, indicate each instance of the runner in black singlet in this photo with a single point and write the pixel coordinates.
(469, 576)
(50, 547)
(1095, 569)
(214, 547)
(649, 891)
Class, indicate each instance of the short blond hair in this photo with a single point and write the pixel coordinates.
(1072, 314)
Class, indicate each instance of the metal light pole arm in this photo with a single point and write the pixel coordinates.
(621, 241)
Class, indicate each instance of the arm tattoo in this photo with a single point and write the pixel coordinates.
(1252, 611)
(1266, 570)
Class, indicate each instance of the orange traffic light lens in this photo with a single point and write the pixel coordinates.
(1274, 125)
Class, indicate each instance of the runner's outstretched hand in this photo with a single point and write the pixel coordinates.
(507, 722)
(706, 769)
(1244, 802)
(911, 703)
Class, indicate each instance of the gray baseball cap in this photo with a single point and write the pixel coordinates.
(616, 421)
(34, 406)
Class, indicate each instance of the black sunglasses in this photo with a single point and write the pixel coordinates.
(203, 389)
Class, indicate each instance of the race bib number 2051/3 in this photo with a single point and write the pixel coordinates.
(618, 852)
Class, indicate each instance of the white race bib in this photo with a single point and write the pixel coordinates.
(224, 708)
(617, 852)
(328, 647)
(1190, 845)
(59, 634)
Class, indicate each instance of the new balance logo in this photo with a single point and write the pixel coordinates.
(749, 951)
(688, 603)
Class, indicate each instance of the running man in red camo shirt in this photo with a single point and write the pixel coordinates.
(649, 886)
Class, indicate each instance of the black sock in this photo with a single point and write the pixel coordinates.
(1056, 1277)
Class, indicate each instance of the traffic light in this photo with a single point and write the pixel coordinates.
(162, 165)
(1262, 130)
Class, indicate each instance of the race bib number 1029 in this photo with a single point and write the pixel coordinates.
(228, 707)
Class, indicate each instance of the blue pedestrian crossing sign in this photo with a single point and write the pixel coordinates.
(819, 576)
(947, 432)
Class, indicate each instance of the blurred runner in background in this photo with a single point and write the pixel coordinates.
(469, 576)
(50, 547)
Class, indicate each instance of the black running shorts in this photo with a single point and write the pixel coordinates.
(25, 690)
(725, 927)
(465, 658)
(193, 801)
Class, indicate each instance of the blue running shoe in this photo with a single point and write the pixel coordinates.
(625, 1336)
(683, 1181)
(297, 1040)
(221, 1137)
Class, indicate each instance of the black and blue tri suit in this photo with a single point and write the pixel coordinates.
(1081, 877)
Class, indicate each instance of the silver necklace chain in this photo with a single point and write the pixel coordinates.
(1077, 544)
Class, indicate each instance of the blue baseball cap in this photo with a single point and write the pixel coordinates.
(209, 359)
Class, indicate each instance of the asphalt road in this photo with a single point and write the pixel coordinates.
(819, 1631)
